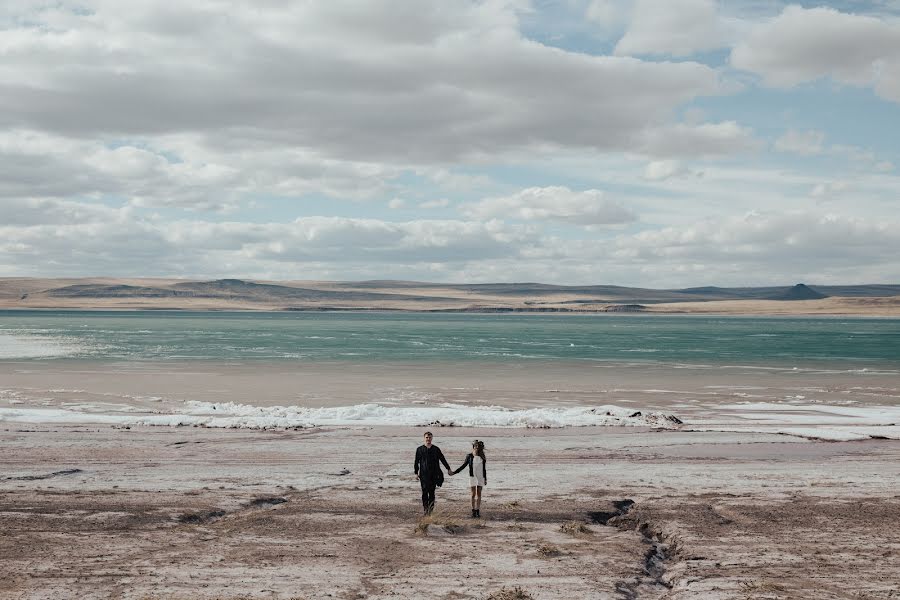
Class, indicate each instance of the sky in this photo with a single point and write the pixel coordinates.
(651, 143)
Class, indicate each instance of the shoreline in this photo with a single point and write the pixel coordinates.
(653, 310)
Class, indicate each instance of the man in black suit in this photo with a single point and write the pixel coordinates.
(428, 470)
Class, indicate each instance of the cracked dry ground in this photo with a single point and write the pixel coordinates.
(301, 545)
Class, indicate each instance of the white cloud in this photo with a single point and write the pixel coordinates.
(744, 250)
(659, 170)
(119, 244)
(806, 143)
(354, 81)
(812, 143)
(608, 13)
(704, 140)
(802, 45)
(396, 203)
(829, 189)
(430, 204)
(558, 203)
(41, 211)
(758, 248)
(185, 175)
(680, 28)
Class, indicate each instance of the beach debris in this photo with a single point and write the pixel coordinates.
(201, 517)
(268, 501)
(341, 473)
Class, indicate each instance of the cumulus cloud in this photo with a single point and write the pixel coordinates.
(801, 45)
(734, 250)
(352, 80)
(58, 236)
(557, 203)
(672, 28)
(768, 238)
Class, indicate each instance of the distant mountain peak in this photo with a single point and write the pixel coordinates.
(801, 291)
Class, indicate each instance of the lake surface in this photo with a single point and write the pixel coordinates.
(839, 343)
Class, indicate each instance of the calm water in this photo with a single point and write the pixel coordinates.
(364, 337)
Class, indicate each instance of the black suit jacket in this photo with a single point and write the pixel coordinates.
(428, 465)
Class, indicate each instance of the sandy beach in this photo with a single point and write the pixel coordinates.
(744, 499)
(103, 512)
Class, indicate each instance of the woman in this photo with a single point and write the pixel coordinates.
(477, 463)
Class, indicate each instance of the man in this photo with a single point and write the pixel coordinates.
(428, 470)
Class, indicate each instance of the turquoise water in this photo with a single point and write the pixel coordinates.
(195, 336)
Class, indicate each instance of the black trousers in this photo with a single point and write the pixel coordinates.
(428, 495)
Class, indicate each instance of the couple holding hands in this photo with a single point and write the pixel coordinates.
(427, 468)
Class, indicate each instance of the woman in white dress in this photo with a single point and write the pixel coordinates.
(477, 463)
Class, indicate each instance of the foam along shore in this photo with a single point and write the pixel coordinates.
(810, 421)
(246, 416)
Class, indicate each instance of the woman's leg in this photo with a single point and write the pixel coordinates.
(473, 497)
(476, 498)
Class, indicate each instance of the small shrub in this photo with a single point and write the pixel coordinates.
(575, 528)
(548, 550)
(422, 526)
(515, 593)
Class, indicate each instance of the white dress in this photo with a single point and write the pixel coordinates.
(477, 477)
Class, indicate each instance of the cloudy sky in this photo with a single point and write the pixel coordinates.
(656, 143)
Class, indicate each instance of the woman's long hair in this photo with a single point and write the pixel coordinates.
(478, 446)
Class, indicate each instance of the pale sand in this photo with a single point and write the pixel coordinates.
(687, 391)
(196, 513)
(183, 512)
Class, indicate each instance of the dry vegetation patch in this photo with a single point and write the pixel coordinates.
(575, 528)
(549, 550)
(515, 593)
(447, 524)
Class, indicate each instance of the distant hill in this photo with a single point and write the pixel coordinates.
(799, 292)
(240, 294)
